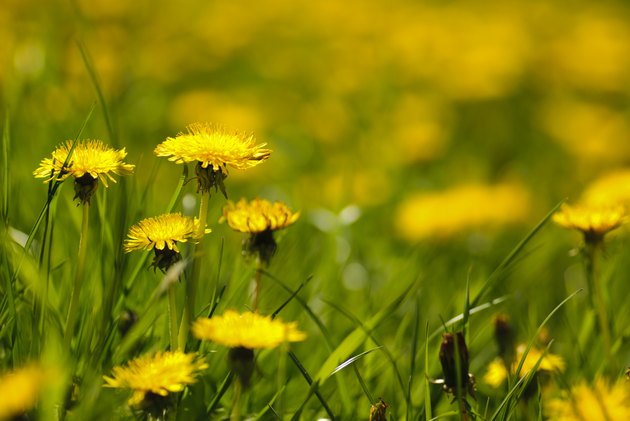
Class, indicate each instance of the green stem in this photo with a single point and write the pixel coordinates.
(73, 310)
(236, 403)
(172, 310)
(598, 297)
(258, 278)
(191, 285)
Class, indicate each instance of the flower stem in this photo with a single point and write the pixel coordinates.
(172, 310)
(597, 301)
(73, 310)
(191, 285)
(258, 278)
(236, 403)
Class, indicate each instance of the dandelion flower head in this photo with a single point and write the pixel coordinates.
(247, 330)
(258, 215)
(91, 157)
(20, 390)
(160, 374)
(497, 373)
(593, 221)
(601, 401)
(212, 145)
(163, 231)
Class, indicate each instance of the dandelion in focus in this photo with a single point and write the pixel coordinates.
(243, 333)
(91, 160)
(214, 149)
(601, 401)
(153, 377)
(161, 234)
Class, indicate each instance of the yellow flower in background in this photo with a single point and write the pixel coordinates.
(593, 221)
(160, 374)
(91, 160)
(20, 390)
(258, 215)
(446, 213)
(611, 188)
(162, 231)
(247, 330)
(497, 372)
(601, 401)
(214, 149)
(161, 234)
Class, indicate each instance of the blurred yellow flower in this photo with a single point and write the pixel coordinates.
(247, 330)
(89, 157)
(212, 145)
(258, 215)
(162, 231)
(497, 373)
(20, 390)
(593, 221)
(601, 401)
(610, 188)
(443, 214)
(159, 374)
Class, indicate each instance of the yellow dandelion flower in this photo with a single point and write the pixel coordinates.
(497, 373)
(91, 160)
(20, 390)
(162, 231)
(592, 220)
(161, 234)
(258, 216)
(248, 330)
(214, 149)
(441, 215)
(157, 374)
(601, 401)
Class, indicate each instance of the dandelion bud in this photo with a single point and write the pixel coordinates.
(378, 411)
(505, 337)
(84, 188)
(126, 321)
(241, 362)
(208, 178)
(454, 360)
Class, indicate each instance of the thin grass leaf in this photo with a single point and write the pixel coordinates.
(412, 357)
(291, 297)
(227, 381)
(353, 359)
(89, 66)
(428, 410)
(368, 332)
(498, 272)
(268, 407)
(314, 385)
(357, 336)
(363, 385)
(6, 141)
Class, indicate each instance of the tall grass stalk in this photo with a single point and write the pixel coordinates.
(73, 310)
(590, 254)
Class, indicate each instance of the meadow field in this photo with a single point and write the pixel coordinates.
(322, 210)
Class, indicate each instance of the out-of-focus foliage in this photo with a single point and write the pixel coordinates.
(365, 102)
